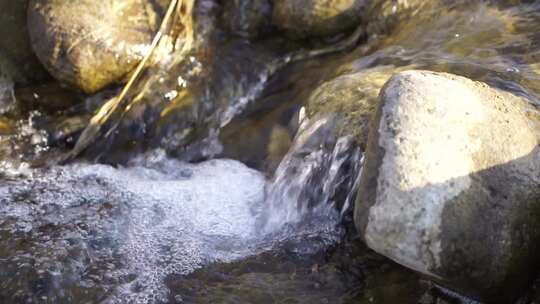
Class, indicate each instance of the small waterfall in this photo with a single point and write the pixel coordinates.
(124, 230)
(7, 93)
(317, 179)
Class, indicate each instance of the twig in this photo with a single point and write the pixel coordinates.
(91, 132)
(187, 21)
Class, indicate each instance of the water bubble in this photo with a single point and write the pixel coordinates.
(124, 230)
(171, 95)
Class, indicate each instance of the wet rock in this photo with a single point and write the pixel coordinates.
(48, 97)
(383, 17)
(322, 166)
(450, 187)
(16, 55)
(317, 17)
(320, 277)
(353, 98)
(182, 113)
(91, 44)
(259, 142)
(6, 127)
(247, 18)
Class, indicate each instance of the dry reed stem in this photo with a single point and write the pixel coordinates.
(93, 129)
(183, 9)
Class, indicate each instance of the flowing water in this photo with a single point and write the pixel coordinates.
(87, 232)
(268, 220)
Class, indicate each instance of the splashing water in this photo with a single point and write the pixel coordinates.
(7, 94)
(114, 234)
(172, 218)
(7, 97)
(315, 173)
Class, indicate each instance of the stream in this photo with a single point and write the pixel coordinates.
(257, 209)
(106, 234)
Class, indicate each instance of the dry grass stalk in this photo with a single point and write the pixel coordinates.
(92, 131)
(182, 11)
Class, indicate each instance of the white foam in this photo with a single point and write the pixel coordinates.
(136, 225)
(309, 176)
(179, 216)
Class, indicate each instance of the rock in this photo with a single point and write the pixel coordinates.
(16, 56)
(49, 97)
(451, 184)
(317, 17)
(385, 17)
(323, 163)
(353, 98)
(247, 18)
(90, 44)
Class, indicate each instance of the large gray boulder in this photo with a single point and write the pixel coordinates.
(451, 184)
(90, 44)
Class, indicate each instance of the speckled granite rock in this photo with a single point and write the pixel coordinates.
(451, 184)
